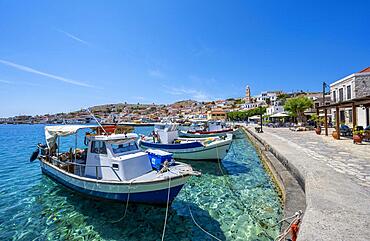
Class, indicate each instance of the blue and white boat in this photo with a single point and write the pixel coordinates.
(112, 167)
(166, 138)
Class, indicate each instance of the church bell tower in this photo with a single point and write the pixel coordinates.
(247, 94)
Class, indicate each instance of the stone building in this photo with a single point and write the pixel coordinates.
(352, 87)
(216, 114)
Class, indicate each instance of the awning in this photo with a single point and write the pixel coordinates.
(279, 115)
(52, 132)
(255, 117)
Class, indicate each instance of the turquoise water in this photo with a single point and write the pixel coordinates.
(242, 205)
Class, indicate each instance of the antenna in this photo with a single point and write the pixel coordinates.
(96, 120)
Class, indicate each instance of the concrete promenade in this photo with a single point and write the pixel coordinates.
(336, 179)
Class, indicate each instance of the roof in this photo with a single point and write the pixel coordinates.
(364, 70)
(278, 115)
(52, 132)
(364, 101)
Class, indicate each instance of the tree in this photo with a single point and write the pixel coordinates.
(282, 98)
(268, 101)
(296, 106)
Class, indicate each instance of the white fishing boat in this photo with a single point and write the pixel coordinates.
(207, 129)
(112, 167)
(166, 138)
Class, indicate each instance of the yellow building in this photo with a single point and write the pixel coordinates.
(216, 114)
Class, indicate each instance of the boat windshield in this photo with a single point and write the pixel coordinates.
(124, 147)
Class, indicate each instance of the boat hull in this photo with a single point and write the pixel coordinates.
(191, 135)
(215, 151)
(149, 193)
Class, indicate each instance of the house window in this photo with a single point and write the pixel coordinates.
(342, 117)
(349, 92)
(98, 147)
(334, 96)
(340, 94)
(350, 116)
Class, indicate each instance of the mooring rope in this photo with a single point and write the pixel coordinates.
(235, 193)
(195, 222)
(127, 201)
(295, 222)
(168, 200)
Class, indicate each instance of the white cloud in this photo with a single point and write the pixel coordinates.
(156, 73)
(34, 71)
(188, 93)
(74, 37)
(5, 82)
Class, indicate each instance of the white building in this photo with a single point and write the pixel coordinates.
(274, 109)
(352, 87)
(268, 96)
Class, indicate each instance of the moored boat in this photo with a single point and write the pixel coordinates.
(112, 167)
(166, 138)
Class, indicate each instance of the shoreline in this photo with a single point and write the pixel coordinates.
(290, 190)
(337, 201)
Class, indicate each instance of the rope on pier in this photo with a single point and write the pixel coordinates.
(293, 227)
(168, 200)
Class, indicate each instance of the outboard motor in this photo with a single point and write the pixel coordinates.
(34, 155)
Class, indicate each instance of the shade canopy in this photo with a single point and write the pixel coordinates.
(52, 132)
(255, 117)
(279, 115)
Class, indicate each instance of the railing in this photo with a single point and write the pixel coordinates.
(55, 159)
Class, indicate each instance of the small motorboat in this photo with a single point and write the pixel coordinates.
(166, 138)
(207, 129)
(112, 167)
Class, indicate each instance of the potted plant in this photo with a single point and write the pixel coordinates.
(319, 121)
(358, 135)
(336, 134)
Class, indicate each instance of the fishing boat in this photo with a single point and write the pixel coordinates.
(166, 138)
(111, 167)
(206, 129)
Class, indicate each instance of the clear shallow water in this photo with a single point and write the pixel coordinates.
(243, 205)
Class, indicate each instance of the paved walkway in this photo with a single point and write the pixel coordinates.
(337, 182)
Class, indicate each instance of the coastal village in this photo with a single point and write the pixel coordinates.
(352, 87)
(185, 120)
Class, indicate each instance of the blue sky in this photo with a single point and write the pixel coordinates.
(65, 55)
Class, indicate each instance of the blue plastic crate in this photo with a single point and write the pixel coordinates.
(158, 157)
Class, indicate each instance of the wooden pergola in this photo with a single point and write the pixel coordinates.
(354, 103)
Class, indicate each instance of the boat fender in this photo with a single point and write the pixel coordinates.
(34, 155)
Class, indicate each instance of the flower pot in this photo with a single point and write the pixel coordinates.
(357, 139)
(335, 134)
(318, 130)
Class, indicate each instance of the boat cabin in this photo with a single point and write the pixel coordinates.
(166, 133)
(107, 156)
(115, 157)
